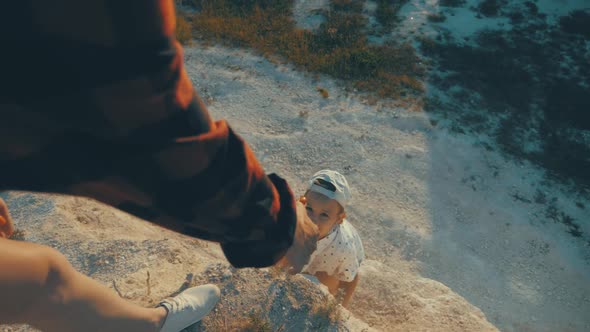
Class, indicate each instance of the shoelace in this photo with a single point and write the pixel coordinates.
(176, 302)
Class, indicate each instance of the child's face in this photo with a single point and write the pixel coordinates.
(323, 211)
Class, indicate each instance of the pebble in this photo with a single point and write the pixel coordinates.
(227, 274)
(131, 294)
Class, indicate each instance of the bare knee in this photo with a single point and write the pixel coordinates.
(32, 277)
(60, 271)
(58, 274)
(55, 291)
(22, 275)
(331, 282)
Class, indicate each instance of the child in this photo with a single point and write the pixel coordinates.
(339, 251)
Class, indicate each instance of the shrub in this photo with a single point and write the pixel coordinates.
(341, 30)
(18, 235)
(347, 5)
(183, 30)
(386, 13)
(489, 8)
(516, 17)
(532, 7)
(242, 8)
(577, 22)
(256, 322)
(563, 155)
(494, 71)
(568, 103)
(436, 18)
(451, 3)
(325, 313)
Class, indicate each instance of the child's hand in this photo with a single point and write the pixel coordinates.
(6, 226)
(303, 200)
(304, 243)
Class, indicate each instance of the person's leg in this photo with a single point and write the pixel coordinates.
(39, 287)
(331, 282)
(349, 288)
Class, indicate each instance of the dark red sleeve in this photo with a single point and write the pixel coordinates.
(106, 110)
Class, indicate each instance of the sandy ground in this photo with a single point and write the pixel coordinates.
(145, 263)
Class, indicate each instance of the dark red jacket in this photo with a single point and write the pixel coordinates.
(94, 101)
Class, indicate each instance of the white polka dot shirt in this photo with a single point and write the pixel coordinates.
(339, 254)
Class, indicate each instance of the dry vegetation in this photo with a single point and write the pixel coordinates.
(18, 235)
(339, 47)
(183, 31)
(327, 311)
(386, 12)
(255, 322)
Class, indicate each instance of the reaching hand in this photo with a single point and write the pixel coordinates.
(6, 227)
(304, 243)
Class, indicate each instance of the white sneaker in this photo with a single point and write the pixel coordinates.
(189, 307)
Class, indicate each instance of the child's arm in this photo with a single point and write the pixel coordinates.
(349, 288)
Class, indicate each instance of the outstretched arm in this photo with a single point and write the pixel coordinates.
(119, 121)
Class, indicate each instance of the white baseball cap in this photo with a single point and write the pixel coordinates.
(342, 191)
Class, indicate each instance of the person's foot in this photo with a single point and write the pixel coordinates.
(189, 307)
